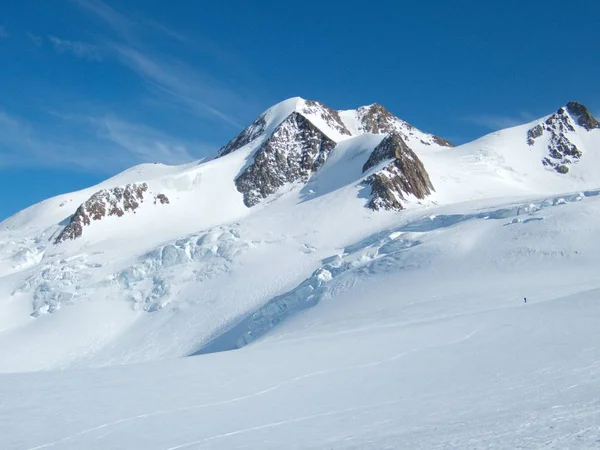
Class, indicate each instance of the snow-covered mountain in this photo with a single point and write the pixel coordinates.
(159, 261)
(347, 252)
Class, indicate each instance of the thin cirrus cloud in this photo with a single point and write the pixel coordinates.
(172, 79)
(498, 122)
(198, 92)
(118, 143)
(79, 49)
(105, 142)
(144, 143)
(35, 39)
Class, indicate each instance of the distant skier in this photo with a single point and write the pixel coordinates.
(525, 299)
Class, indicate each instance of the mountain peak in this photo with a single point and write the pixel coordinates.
(320, 115)
(582, 115)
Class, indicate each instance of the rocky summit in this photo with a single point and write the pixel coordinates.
(560, 137)
(295, 142)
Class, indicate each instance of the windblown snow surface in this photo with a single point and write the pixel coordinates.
(352, 329)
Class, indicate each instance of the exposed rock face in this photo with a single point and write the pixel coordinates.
(534, 133)
(330, 116)
(404, 175)
(562, 152)
(295, 150)
(161, 198)
(376, 119)
(107, 202)
(309, 108)
(291, 151)
(443, 142)
(582, 115)
(251, 132)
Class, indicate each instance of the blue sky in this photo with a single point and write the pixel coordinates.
(91, 87)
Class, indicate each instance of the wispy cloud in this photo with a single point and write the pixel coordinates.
(129, 26)
(497, 122)
(145, 143)
(197, 91)
(3, 33)
(79, 49)
(104, 144)
(37, 40)
(171, 78)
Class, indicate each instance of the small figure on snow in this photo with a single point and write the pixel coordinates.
(524, 299)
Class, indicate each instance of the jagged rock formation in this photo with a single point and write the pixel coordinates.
(330, 116)
(404, 175)
(295, 150)
(107, 202)
(582, 115)
(562, 152)
(293, 139)
(308, 108)
(378, 120)
(251, 132)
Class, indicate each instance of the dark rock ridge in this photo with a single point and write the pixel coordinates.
(330, 116)
(404, 175)
(294, 151)
(251, 132)
(107, 202)
(257, 128)
(297, 147)
(376, 119)
(561, 151)
(582, 115)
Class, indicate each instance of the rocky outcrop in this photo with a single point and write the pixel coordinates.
(331, 117)
(294, 151)
(534, 133)
(107, 202)
(309, 108)
(376, 119)
(582, 115)
(251, 132)
(441, 141)
(403, 176)
(559, 128)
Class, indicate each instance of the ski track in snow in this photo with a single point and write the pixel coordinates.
(284, 422)
(255, 394)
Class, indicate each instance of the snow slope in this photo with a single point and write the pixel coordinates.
(420, 340)
(367, 329)
(165, 280)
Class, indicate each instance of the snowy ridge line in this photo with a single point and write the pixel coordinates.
(256, 394)
(372, 249)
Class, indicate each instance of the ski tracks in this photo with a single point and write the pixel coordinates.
(253, 395)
